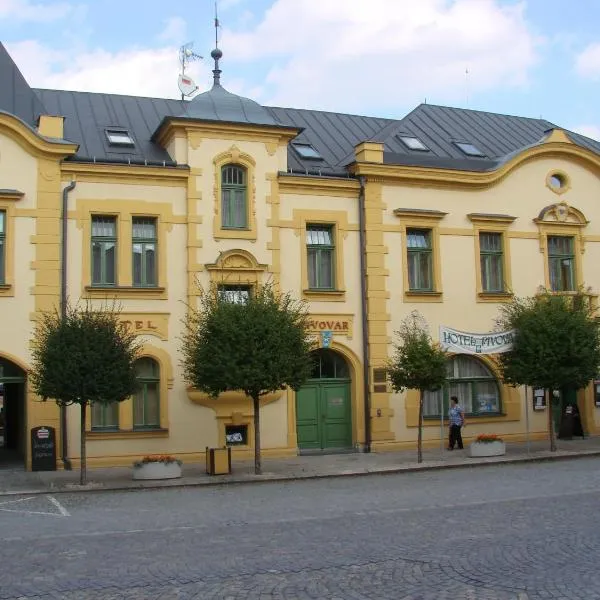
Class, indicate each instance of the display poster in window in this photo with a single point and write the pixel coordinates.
(462, 342)
(539, 399)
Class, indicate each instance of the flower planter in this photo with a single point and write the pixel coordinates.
(483, 449)
(157, 470)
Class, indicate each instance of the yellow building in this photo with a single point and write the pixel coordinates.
(447, 211)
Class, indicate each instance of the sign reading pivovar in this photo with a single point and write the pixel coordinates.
(462, 342)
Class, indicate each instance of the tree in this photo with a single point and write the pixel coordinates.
(257, 346)
(556, 345)
(419, 363)
(84, 357)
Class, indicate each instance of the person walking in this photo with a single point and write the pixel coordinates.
(456, 418)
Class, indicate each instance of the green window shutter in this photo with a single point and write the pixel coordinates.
(492, 259)
(2, 247)
(144, 246)
(234, 197)
(104, 250)
(420, 260)
(105, 417)
(320, 250)
(561, 263)
(146, 402)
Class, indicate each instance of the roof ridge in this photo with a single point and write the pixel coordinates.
(484, 112)
(330, 112)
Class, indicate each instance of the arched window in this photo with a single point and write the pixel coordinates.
(234, 205)
(328, 364)
(146, 402)
(472, 383)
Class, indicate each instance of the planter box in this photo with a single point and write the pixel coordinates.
(157, 470)
(481, 450)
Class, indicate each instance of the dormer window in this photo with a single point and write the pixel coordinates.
(307, 151)
(119, 137)
(469, 149)
(413, 143)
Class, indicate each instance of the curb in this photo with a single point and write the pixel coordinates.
(266, 478)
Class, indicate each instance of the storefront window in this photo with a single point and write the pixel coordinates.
(472, 383)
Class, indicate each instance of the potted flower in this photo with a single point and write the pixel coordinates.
(487, 444)
(157, 466)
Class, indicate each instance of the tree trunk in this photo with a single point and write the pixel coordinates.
(257, 465)
(420, 435)
(551, 422)
(82, 467)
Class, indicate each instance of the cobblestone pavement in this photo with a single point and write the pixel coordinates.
(512, 532)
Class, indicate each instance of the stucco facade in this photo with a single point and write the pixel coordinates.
(370, 215)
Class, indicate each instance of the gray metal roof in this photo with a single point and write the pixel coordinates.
(220, 105)
(16, 97)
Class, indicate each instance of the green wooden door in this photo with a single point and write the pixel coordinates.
(323, 415)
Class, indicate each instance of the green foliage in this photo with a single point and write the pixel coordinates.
(84, 358)
(418, 363)
(557, 342)
(259, 346)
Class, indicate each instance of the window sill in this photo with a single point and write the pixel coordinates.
(6, 290)
(423, 296)
(232, 234)
(325, 295)
(494, 296)
(123, 435)
(124, 291)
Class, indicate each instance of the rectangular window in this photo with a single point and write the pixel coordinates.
(321, 253)
(233, 197)
(2, 247)
(105, 416)
(236, 294)
(492, 259)
(420, 260)
(144, 251)
(561, 263)
(146, 405)
(104, 250)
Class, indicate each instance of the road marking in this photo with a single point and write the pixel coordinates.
(63, 511)
(15, 501)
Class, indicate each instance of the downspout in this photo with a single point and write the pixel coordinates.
(364, 313)
(64, 451)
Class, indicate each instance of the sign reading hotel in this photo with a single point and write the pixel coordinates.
(146, 324)
(336, 324)
(462, 342)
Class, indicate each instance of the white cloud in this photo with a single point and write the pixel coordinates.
(137, 71)
(589, 130)
(587, 63)
(24, 10)
(341, 55)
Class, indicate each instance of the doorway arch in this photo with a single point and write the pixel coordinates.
(324, 405)
(12, 413)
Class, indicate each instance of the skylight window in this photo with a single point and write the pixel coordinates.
(119, 137)
(413, 143)
(469, 149)
(307, 151)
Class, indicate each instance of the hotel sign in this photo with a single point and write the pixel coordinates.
(462, 342)
(156, 324)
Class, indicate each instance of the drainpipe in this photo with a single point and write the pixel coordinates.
(63, 313)
(364, 308)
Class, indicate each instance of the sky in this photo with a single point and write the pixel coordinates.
(533, 58)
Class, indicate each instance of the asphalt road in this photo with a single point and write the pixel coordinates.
(524, 532)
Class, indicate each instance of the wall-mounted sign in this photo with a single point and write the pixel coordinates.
(336, 324)
(462, 342)
(539, 399)
(156, 324)
(326, 337)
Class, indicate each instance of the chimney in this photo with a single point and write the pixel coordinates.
(51, 126)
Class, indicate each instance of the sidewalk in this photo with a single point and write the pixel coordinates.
(17, 481)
